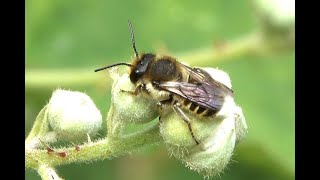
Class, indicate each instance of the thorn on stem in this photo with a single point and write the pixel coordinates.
(62, 154)
(77, 148)
(49, 150)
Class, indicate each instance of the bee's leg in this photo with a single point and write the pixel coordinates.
(166, 101)
(176, 107)
(136, 91)
(169, 100)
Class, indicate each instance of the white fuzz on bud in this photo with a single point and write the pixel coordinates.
(217, 135)
(131, 108)
(73, 115)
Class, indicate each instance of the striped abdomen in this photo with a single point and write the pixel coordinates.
(197, 109)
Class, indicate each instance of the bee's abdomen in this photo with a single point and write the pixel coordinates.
(199, 110)
(210, 112)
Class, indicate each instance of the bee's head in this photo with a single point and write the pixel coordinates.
(140, 66)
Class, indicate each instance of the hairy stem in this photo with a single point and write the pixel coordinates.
(98, 150)
(48, 173)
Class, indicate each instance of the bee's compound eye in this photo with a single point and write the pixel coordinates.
(136, 75)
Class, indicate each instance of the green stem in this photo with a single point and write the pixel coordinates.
(99, 150)
(228, 50)
(49, 79)
(252, 44)
(48, 173)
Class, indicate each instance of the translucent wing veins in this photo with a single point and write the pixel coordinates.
(201, 89)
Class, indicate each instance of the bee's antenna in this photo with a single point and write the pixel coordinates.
(106, 67)
(132, 38)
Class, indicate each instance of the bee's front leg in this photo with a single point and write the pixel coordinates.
(137, 91)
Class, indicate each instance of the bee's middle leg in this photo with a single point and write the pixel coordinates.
(177, 109)
(166, 101)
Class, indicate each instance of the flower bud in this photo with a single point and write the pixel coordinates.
(213, 155)
(73, 115)
(241, 125)
(277, 21)
(217, 134)
(131, 108)
(219, 75)
(276, 13)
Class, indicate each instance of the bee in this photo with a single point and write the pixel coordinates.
(170, 82)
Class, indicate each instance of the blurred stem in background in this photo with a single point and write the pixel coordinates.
(275, 34)
(255, 44)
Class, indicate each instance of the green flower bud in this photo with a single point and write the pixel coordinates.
(219, 75)
(72, 115)
(213, 155)
(278, 13)
(277, 20)
(217, 134)
(241, 125)
(131, 108)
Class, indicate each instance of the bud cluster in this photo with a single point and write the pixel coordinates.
(218, 134)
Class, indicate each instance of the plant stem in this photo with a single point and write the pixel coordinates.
(98, 150)
(228, 50)
(250, 44)
(48, 173)
(49, 79)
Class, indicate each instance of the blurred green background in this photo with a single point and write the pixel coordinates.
(67, 40)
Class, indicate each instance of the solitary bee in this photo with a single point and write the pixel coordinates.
(172, 83)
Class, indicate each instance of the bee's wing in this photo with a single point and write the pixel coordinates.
(201, 76)
(201, 94)
(201, 89)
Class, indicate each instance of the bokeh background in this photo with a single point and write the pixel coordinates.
(67, 40)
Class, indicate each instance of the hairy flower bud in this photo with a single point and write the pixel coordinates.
(73, 115)
(131, 108)
(217, 135)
